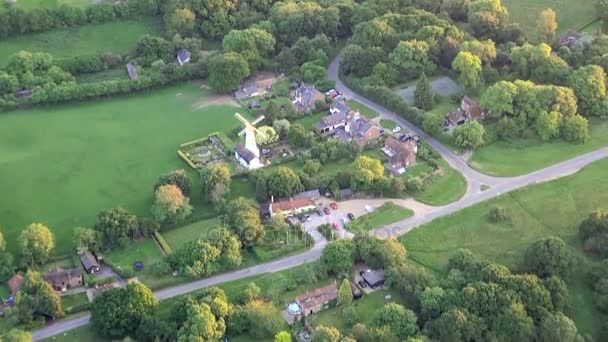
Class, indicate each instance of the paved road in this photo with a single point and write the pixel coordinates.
(473, 196)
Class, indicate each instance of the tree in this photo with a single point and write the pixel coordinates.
(457, 325)
(264, 319)
(400, 321)
(181, 21)
(86, 239)
(251, 292)
(37, 299)
(244, 220)
(433, 302)
(284, 182)
(117, 312)
(558, 328)
(195, 259)
(345, 294)
(485, 50)
(498, 98)
(170, 205)
(423, 95)
(338, 256)
(178, 178)
(2, 241)
(547, 125)
(548, 257)
(37, 243)
(299, 137)
(593, 232)
(514, 324)
(547, 26)
(7, 267)
(366, 173)
(201, 324)
(326, 334)
(229, 246)
(266, 135)
(576, 129)
(412, 58)
(281, 127)
(215, 180)
(589, 85)
(282, 336)
(116, 226)
(17, 335)
(227, 71)
(469, 135)
(253, 44)
(468, 67)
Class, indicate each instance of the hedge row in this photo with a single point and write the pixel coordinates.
(16, 21)
(152, 78)
(163, 243)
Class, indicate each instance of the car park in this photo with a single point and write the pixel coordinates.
(334, 205)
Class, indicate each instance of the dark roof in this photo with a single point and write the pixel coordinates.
(245, 153)
(330, 120)
(312, 194)
(183, 55)
(15, 283)
(373, 277)
(63, 275)
(88, 260)
(474, 110)
(132, 70)
(455, 116)
(265, 209)
(339, 106)
(404, 153)
(346, 192)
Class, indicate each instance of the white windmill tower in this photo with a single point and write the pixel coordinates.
(248, 155)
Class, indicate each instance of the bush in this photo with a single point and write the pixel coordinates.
(163, 243)
(122, 272)
(499, 214)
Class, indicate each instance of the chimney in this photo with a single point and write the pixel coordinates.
(271, 198)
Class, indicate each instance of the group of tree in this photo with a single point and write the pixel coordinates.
(549, 110)
(7, 266)
(215, 181)
(593, 233)
(37, 299)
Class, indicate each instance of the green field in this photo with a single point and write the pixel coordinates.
(117, 37)
(362, 109)
(554, 208)
(570, 16)
(388, 124)
(179, 236)
(63, 165)
(384, 215)
(524, 156)
(447, 188)
(73, 301)
(48, 4)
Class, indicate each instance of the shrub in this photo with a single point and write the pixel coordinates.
(163, 243)
(499, 214)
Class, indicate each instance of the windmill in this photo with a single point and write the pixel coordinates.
(249, 155)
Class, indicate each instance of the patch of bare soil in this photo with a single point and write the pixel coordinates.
(215, 100)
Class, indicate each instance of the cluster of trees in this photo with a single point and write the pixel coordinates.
(7, 267)
(16, 21)
(36, 299)
(593, 233)
(549, 111)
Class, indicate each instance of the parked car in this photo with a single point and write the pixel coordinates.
(362, 283)
(397, 129)
(369, 208)
(336, 226)
(344, 220)
(334, 205)
(351, 216)
(308, 218)
(326, 211)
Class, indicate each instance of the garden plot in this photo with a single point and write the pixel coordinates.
(212, 149)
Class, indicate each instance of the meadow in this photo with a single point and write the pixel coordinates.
(550, 209)
(63, 165)
(569, 16)
(514, 158)
(116, 37)
(386, 214)
(49, 4)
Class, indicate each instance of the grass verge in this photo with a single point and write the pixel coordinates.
(386, 214)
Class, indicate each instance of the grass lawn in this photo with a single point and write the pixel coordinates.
(554, 208)
(79, 334)
(362, 109)
(98, 155)
(4, 291)
(179, 236)
(524, 156)
(388, 124)
(366, 307)
(118, 37)
(386, 214)
(48, 4)
(447, 188)
(311, 121)
(72, 301)
(569, 17)
(144, 250)
(106, 75)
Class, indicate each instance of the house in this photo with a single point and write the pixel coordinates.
(400, 154)
(132, 70)
(24, 93)
(469, 110)
(331, 123)
(359, 129)
(312, 195)
(305, 96)
(259, 85)
(339, 107)
(246, 157)
(14, 284)
(248, 91)
(317, 300)
(63, 280)
(255, 104)
(265, 210)
(571, 39)
(291, 206)
(373, 278)
(89, 262)
(183, 56)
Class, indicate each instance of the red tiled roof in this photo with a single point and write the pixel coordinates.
(318, 296)
(15, 283)
(291, 204)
